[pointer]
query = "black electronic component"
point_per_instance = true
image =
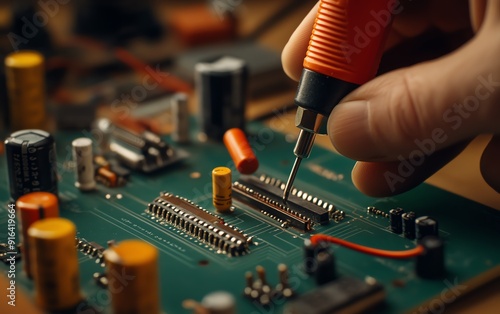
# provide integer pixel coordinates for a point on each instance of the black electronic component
(91, 249)
(145, 152)
(200, 224)
(344, 295)
(311, 252)
(430, 264)
(221, 88)
(31, 162)
(264, 64)
(265, 195)
(396, 220)
(409, 225)
(426, 226)
(337, 215)
(376, 211)
(272, 208)
(326, 269)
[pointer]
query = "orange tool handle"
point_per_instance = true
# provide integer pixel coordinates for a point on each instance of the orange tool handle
(348, 37)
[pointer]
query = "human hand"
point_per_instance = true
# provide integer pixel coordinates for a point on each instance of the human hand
(405, 125)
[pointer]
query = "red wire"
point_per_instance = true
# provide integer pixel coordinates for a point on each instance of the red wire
(315, 239)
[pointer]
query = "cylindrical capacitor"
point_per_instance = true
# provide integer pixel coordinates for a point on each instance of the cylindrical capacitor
(409, 225)
(30, 208)
(54, 264)
(396, 221)
(426, 226)
(84, 168)
(24, 71)
(430, 264)
(326, 269)
(221, 88)
(219, 302)
(138, 290)
(240, 151)
(180, 116)
(222, 188)
(31, 162)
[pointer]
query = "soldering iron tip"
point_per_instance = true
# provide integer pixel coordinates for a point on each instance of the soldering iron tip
(291, 178)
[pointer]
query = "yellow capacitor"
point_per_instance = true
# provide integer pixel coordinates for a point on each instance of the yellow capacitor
(133, 277)
(54, 264)
(222, 188)
(24, 71)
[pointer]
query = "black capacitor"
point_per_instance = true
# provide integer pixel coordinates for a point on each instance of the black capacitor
(426, 226)
(409, 225)
(326, 270)
(396, 220)
(221, 87)
(430, 264)
(310, 255)
(31, 162)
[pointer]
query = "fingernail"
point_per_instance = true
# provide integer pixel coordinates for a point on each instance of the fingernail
(349, 131)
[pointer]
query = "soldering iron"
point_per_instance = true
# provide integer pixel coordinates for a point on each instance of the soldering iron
(344, 51)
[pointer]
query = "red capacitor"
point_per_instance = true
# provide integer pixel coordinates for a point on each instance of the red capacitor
(242, 154)
(30, 208)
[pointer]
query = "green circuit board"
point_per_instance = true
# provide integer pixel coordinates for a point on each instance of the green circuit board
(189, 269)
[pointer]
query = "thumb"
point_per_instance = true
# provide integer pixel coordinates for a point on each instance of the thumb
(422, 108)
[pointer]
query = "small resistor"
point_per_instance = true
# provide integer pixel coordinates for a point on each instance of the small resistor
(24, 71)
(84, 170)
(240, 151)
(222, 188)
(55, 264)
(180, 116)
(30, 208)
(107, 177)
(138, 292)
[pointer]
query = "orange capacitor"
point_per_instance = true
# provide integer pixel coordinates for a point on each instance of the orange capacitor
(55, 264)
(25, 75)
(133, 277)
(30, 208)
(242, 154)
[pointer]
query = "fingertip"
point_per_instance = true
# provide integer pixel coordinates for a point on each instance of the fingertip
(381, 179)
(349, 132)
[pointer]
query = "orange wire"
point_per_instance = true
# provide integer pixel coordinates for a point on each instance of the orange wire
(315, 239)
(167, 81)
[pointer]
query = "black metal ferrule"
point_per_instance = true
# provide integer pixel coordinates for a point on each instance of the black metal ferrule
(321, 93)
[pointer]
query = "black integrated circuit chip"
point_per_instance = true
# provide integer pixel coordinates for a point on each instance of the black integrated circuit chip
(344, 295)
